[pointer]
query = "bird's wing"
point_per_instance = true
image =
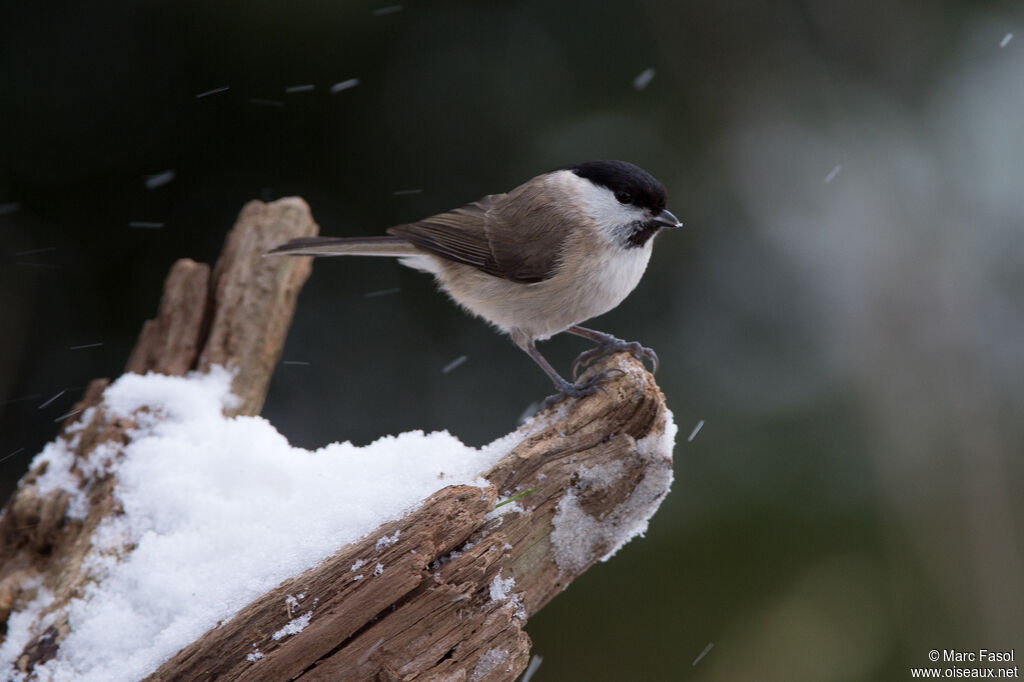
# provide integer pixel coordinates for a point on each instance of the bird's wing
(485, 236)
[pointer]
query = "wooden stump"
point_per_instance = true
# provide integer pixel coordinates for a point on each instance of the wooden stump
(463, 576)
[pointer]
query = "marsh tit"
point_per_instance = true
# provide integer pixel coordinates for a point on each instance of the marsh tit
(539, 260)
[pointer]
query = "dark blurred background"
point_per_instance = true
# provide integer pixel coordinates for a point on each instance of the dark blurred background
(844, 310)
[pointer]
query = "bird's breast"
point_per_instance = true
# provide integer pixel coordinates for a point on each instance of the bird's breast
(580, 291)
(603, 286)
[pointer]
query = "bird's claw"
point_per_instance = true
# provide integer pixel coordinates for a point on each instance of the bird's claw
(588, 387)
(638, 351)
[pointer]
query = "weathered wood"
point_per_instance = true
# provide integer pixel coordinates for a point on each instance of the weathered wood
(442, 594)
(170, 343)
(429, 614)
(39, 541)
(253, 298)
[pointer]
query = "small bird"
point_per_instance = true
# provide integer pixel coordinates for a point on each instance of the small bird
(556, 251)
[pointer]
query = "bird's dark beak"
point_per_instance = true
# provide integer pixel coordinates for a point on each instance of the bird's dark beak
(666, 219)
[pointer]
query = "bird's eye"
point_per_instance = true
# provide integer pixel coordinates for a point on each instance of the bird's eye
(624, 197)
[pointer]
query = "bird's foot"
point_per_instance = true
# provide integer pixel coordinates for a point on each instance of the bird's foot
(615, 345)
(570, 390)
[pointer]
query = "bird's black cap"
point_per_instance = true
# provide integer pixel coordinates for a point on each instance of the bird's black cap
(631, 184)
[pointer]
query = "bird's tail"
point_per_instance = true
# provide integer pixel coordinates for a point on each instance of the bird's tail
(346, 246)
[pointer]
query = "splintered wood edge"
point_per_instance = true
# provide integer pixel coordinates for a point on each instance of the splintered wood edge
(430, 594)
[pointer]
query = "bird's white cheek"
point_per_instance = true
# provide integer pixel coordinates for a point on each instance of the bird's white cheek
(600, 205)
(610, 217)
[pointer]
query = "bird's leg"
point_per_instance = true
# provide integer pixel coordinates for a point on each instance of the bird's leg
(564, 387)
(607, 344)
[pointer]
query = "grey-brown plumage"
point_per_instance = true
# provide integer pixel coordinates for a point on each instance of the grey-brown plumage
(346, 246)
(536, 261)
(516, 236)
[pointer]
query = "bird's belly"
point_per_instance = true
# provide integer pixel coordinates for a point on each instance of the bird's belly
(543, 309)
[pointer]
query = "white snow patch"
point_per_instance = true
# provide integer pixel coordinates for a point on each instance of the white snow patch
(600, 475)
(488, 663)
(387, 540)
(579, 538)
(294, 626)
(356, 566)
(292, 601)
(59, 475)
(211, 518)
(22, 625)
(498, 512)
(500, 589)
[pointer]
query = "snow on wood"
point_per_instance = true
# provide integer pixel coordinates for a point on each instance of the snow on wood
(170, 532)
